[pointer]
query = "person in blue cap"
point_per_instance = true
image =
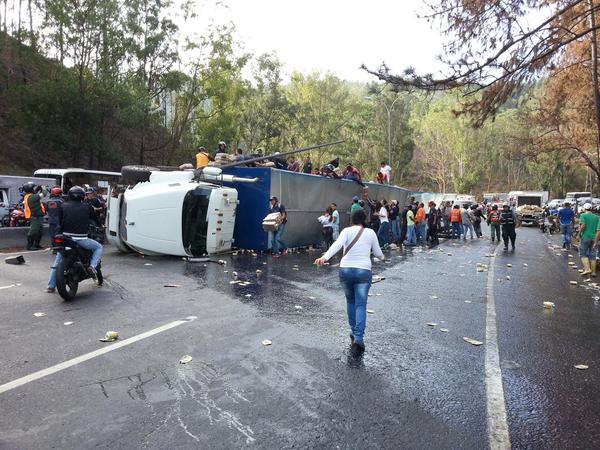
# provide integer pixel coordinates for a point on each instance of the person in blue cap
(355, 205)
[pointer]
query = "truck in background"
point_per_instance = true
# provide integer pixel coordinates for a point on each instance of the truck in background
(528, 205)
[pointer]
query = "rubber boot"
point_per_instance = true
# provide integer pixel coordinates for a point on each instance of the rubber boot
(593, 267)
(586, 266)
(36, 242)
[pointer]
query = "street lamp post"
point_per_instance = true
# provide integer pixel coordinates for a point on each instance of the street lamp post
(389, 110)
(389, 113)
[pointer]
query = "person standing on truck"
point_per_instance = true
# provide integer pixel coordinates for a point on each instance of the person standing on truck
(202, 158)
(54, 208)
(588, 224)
(509, 223)
(358, 242)
(34, 212)
(307, 167)
(277, 244)
(566, 217)
(494, 220)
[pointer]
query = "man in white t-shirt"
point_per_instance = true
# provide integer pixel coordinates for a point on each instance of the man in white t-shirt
(384, 224)
(386, 170)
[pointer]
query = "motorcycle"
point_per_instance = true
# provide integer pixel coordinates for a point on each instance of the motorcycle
(73, 268)
(15, 217)
(548, 223)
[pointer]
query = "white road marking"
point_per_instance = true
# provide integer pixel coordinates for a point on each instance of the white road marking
(10, 286)
(497, 424)
(83, 358)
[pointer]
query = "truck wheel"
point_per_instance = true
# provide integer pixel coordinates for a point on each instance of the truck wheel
(136, 174)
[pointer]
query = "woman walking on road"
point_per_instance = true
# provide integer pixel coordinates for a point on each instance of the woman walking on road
(355, 274)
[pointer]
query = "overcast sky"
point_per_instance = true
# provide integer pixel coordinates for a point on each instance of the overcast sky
(334, 35)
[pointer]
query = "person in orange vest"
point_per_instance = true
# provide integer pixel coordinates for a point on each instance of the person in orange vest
(34, 212)
(456, 221)
(420, 223)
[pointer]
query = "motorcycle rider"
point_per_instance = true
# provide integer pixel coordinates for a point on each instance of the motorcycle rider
(54, 208)
(494, 218)
(34, 212)
(75, 220)
(509, 223)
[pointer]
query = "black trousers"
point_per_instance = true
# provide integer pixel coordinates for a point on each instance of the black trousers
(433, 235)
(508, 232)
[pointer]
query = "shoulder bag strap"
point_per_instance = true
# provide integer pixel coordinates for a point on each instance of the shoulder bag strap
(354, 241)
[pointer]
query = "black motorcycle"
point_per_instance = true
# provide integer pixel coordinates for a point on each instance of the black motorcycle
(74, 266)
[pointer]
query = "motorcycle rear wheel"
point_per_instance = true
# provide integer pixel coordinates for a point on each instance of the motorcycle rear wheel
(67, 288)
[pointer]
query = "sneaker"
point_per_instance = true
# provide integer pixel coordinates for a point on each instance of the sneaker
(93, 274)
(50, 290)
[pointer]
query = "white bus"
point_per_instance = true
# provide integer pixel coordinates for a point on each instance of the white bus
(67, 178)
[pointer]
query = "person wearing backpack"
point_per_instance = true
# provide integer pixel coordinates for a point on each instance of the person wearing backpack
(358, 242)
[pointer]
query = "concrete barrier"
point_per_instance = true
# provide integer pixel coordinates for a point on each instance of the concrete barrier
(17, 237)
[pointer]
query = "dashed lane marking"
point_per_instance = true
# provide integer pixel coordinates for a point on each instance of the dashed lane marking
(83, 358)
(497, 424)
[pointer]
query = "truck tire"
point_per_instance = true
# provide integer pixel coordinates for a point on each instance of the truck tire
(136, 174)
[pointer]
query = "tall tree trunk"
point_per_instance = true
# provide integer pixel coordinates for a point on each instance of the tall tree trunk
(19, 22)
(32, 40)
(594, 51)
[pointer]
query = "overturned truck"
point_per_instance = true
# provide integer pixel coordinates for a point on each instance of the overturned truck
(208, 211)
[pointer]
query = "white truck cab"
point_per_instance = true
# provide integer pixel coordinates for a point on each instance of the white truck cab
(172, 213)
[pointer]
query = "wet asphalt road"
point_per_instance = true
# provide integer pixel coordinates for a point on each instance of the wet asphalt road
(415, 387)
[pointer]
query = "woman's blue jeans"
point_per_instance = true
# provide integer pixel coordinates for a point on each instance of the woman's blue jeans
(382, 233)
(356, 284)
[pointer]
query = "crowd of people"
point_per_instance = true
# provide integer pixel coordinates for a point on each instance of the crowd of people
(414, 224)
(291, 163)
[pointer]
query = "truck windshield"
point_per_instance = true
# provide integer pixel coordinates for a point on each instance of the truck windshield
(195, 225)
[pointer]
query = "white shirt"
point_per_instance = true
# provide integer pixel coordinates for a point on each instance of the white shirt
(386, 170)
(359, 256)
(324, 220)
(383, 215)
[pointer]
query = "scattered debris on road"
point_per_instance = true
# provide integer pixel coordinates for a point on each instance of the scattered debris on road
(147, 264)
(39, 314)
(574, 283)
(472, 341)
(110, 336)
(185, 359)
(15, 260)
(248, 295)
(68, 323)
(266, 342)
(508, 277)
(582, 367)
(298, 307)
(444, 330)
(509, 265)
(370, 311)
(548, 305)
(172, 285)
(431, 324)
